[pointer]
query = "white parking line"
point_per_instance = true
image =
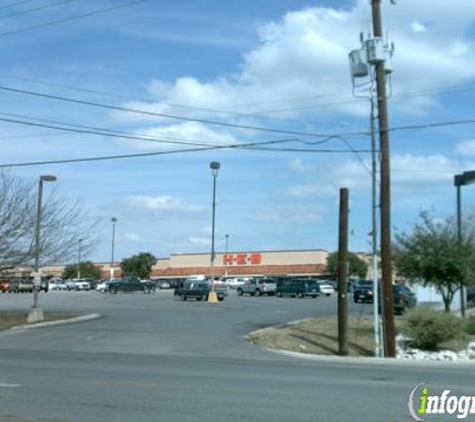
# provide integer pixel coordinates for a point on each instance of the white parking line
(2, 385)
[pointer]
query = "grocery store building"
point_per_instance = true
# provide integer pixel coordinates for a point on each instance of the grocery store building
(233, 264)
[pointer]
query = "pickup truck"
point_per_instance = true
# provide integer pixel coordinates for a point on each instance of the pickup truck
(199, 290)
(130, 284)
(257, 287)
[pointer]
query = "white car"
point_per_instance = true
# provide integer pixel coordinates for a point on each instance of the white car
(234, 283)
(102, 287)
(325, 288)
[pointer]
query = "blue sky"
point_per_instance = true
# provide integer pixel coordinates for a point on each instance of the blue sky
(280, 65)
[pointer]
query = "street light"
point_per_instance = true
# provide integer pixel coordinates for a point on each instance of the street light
(79, 258)
(214, 166)
(226, 255)
(466, 178)
(36, 313)
(114, 221)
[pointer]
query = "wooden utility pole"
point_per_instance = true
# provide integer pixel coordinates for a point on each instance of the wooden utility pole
(387, 299)
(343, 343)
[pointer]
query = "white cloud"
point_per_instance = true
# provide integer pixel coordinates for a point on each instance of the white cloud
(133, 237)
(162, 203)
(408, 172)
(179, 136)
(201, 241)
(302, 56)
(466, 148)
(418, 27)
(300, 166)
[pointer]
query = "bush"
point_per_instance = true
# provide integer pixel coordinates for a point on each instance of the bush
(470, 325)
(428, 328)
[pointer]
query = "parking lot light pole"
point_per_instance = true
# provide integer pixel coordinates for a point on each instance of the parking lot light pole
(114, 221)
(226, 259)
(460, 180)
(214, 166)
(79, 258)
(36, 313)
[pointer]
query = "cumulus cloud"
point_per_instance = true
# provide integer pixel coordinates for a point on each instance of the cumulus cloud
(408, 172)
(133, 237)
(466, 148)
(162, 203)
(301, 57)
(300, 166)
(200, 241)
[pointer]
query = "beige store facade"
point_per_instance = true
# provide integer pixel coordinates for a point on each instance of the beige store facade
(309, 262)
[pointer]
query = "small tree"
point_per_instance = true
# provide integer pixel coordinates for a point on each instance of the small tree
(358, 267)
(87, 270)
(139, 265)
(63, 223)
(433, 256)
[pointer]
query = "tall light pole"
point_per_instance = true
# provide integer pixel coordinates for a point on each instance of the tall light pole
(214, 166)
(226, 255)
(36, 313)
(79, 258)
(463, 179)
(114, 221)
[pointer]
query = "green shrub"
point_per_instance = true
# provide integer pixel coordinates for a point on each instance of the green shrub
(428, 328)
(470, 325)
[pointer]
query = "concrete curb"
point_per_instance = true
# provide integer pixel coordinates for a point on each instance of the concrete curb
(354, 360)
(82, 318)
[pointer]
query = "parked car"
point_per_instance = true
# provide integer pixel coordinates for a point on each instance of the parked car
(362, 291)
(22, 285)
(297, 287)
(403, 299)
(198, 290)
(81, 284)
(234, 283)
(326, 288)
(258, 287)
(471, 295)
(163, 284)
(5, 286)
(130, 284)
(103, 286)
(58, 286)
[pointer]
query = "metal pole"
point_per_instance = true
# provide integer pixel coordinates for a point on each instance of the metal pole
(226, 255)
(37, 241)
(79, 258)
(343, 338)
(459, 233)
(374, 235)
(114, 220)
(215, 173)
(386, 265)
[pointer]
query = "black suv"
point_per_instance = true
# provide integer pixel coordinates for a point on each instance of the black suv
(198, 290)
(362, 291)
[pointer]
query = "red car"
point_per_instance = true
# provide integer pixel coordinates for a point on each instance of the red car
(5, 286)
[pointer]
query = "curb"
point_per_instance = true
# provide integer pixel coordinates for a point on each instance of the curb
(355, 360)
(83, 318)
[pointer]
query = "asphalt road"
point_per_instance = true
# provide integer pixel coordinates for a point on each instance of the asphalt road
(153, 358)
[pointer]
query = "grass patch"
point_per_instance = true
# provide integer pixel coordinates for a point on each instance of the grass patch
(12, 319)
(319, 336)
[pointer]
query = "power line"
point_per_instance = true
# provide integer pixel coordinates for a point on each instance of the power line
(174, 117)
(71, 18)
(156, 153)
(35, 9)
(15, 4)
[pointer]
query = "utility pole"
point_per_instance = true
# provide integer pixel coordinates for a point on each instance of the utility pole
(374, 235)
(387, 299)
(343, 343)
